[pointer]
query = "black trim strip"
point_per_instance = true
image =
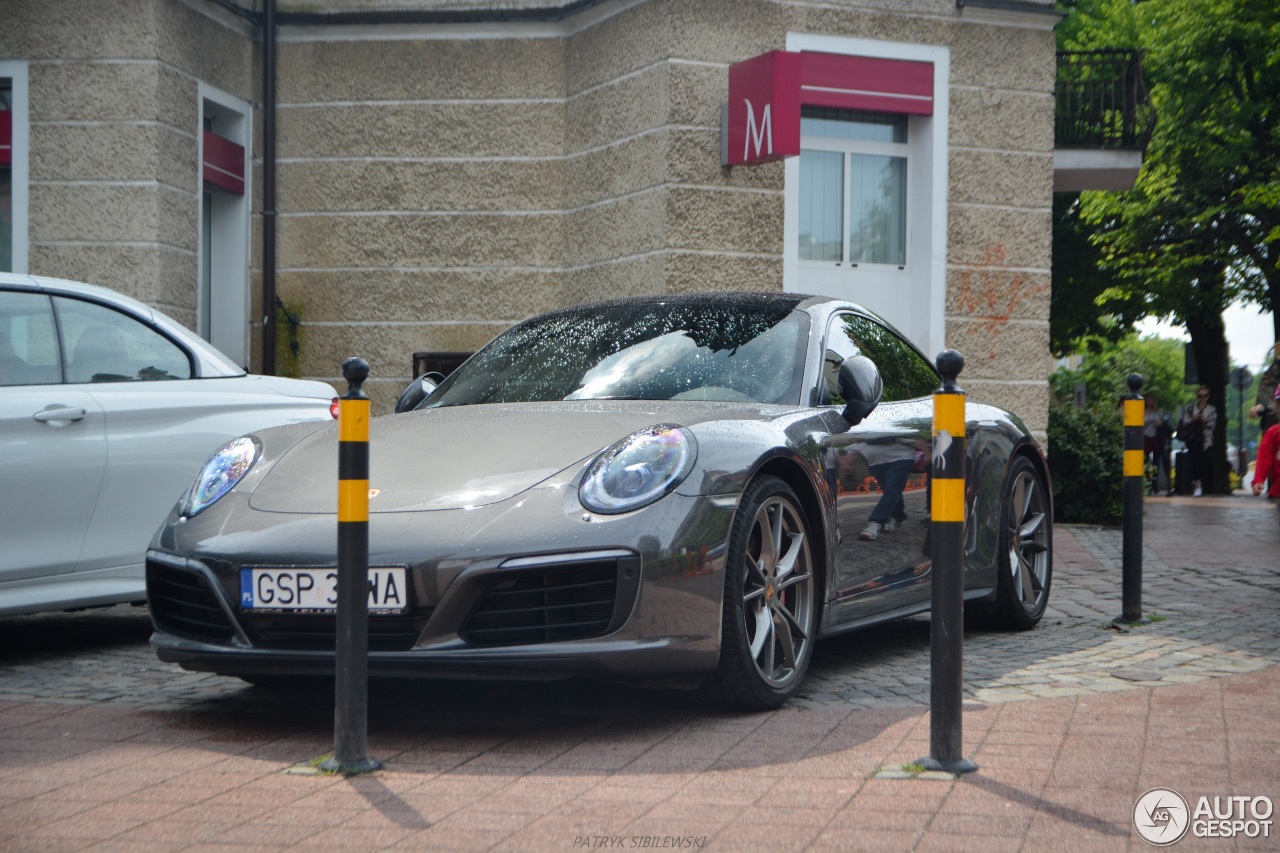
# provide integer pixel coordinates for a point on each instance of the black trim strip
(417, 16)
(353, 460)
(1012, 6)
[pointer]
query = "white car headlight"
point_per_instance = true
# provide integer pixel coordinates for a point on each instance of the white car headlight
(638, 470)
(223, 470)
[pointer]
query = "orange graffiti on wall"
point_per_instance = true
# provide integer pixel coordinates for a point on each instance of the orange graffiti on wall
(990, 294)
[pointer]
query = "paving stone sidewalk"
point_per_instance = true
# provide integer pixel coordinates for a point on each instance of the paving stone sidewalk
(104, 748)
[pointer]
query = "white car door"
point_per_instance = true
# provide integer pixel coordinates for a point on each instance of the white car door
(56, 450)
(158, 427)
(161, 424)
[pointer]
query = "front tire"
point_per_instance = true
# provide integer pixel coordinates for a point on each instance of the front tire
(1026, 548)
(770, 613)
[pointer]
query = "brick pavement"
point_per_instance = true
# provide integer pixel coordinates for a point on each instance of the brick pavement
(105, 748)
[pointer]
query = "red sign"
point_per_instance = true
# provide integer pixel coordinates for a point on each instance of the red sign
(6, 137)
(223, 163)
(764, 108)
(767, 91)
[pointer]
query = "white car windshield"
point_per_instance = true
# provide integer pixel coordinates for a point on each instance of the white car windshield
(678, 350)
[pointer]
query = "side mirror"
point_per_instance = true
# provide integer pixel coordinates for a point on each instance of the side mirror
(860, 386)
(418, 390)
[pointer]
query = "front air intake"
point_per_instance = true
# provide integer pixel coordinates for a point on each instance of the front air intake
(550, 604)
(183, 604)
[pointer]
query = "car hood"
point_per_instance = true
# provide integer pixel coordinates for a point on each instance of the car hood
(469, 456)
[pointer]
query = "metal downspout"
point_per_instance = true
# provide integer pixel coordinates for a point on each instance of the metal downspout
(268, 19)
(269, 188)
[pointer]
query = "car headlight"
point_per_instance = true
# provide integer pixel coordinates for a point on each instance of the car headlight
(223, 470)
(638, 470)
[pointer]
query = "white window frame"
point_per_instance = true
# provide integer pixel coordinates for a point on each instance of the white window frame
(16, 72)
(847, 148)
(913, 297)
(227, 327)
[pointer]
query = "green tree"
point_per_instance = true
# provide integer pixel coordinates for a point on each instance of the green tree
(1086, 442)
(1107, 365)
(1201, 229)
(1080, 282)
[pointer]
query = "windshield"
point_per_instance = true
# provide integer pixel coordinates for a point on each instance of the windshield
(659, 351)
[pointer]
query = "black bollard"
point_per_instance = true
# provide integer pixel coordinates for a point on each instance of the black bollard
(1134, 464)
(351, 659)
(946, 629)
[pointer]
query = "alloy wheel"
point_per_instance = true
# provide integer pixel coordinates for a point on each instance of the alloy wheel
(778, 592)
(1027, 538)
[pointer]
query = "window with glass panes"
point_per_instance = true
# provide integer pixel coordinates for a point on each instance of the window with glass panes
(853, 187)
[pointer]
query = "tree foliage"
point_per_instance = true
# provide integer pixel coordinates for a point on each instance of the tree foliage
(1201, 229)
(1080, 280)
(1107, 365)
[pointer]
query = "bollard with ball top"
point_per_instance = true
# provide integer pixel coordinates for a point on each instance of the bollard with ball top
(351, 655)
(1134, 465)
(946, 619)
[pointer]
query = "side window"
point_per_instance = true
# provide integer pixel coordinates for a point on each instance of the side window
(839, 348)
(28, 340)
(102, 345)
(905, 373)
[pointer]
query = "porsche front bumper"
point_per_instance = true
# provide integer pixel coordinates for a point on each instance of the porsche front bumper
(528, 588)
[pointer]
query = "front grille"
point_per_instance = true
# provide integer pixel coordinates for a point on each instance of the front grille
(184, 604)
(316, 631)
(572, 602)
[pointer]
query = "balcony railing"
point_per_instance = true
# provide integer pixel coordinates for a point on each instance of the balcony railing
(1102, 101)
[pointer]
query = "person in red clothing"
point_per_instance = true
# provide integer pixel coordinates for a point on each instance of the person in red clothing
(1268, 464)
(1268, 467)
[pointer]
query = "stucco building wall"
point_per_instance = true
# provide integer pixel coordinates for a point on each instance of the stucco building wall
(438, 181)
(113, 122)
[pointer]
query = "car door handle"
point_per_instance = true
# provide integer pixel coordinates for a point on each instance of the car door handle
(45, 416)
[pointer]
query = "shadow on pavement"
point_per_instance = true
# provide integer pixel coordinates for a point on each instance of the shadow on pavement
(49, 637)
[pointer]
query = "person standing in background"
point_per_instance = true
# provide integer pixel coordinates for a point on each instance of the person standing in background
(1156, 431)
(1266, 407)
(1196, 430)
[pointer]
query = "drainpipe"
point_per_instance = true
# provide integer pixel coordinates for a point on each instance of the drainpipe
(427, 16)
(269, 188)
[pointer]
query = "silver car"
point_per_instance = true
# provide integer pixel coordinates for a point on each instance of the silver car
(682, 490)
(107, 409)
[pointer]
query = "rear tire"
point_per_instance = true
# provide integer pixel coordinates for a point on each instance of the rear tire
(1025, 563)
(770, 612)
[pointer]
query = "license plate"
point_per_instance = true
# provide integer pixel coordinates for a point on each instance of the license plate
(317, 589)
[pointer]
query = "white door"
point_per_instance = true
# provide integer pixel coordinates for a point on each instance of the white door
(54, 437)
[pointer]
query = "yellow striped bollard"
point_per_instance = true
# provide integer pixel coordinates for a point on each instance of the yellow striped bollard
(946, 628)
(351, 653)
(1134, 463)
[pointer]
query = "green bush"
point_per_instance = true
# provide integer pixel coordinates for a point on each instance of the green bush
(1086, 452)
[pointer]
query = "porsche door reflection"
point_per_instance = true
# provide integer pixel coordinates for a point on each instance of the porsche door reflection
(881, 472)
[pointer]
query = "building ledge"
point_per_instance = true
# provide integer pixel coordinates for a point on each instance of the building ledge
(1076, 169)
(1020, 13)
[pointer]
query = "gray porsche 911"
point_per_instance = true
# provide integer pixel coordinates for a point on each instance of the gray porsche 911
(678, 489)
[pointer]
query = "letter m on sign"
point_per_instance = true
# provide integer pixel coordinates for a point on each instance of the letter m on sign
(763, 116)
